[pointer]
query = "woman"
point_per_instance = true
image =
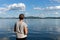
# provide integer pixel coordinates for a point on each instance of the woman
(21, 28)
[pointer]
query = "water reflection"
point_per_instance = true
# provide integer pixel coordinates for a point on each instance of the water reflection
(4, 38)
(39, 29)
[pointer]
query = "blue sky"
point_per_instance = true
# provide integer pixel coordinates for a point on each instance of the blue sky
(41, 8)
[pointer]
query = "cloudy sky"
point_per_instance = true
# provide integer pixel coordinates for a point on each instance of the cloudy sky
(41, 8)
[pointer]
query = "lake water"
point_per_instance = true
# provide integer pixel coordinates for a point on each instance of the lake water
(39, 29)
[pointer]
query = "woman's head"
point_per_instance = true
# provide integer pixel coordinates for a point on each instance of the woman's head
(21, 16)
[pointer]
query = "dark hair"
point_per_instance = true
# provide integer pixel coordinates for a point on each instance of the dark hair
(21, 16)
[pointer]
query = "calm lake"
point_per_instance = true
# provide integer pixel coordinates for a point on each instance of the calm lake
(39, 29)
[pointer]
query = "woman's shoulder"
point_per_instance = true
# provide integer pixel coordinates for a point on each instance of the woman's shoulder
(24, 23)
(17, 22)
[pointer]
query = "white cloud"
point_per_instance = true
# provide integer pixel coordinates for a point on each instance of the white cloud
(48, 8)
(15, 6)
(38, 8)
(55, 1)
(19, 6)
(56, 13)
(53, 7)
(27, 14)
(3, 10)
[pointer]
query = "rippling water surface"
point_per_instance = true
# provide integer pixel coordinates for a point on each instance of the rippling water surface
(39, 29)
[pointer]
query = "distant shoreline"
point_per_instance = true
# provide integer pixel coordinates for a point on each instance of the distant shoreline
(31, 18)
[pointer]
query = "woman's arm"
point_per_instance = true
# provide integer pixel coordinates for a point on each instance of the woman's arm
(15, 28)
(25, 30)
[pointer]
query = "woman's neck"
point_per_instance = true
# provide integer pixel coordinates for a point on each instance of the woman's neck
(21, 20)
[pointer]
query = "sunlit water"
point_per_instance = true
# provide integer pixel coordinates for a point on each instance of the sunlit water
(39, 29)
